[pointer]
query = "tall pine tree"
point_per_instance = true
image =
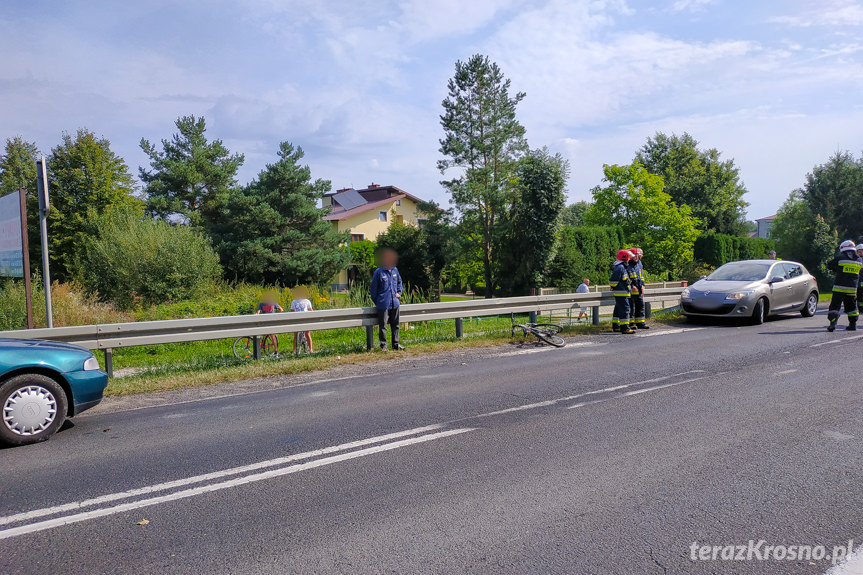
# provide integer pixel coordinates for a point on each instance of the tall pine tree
(190, 176)
(483, 140)
(272, 231)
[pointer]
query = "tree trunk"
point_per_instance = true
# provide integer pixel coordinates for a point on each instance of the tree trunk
(486, 262)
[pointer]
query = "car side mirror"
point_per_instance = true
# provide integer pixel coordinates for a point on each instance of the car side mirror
(777, 279)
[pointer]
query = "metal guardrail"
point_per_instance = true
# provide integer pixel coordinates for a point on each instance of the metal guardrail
(108, 337)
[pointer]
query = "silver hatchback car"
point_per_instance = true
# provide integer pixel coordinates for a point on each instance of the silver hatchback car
(752, 289)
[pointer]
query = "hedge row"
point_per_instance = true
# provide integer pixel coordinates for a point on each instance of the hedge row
(584, 252)
(716, 249)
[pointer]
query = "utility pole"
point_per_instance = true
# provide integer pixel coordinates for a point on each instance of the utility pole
(44, 206)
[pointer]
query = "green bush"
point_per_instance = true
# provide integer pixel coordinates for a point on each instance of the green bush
(584, 252)
(716, 249)
(137, 261)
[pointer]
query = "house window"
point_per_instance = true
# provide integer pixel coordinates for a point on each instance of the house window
(382, 216)
(398, 202)
(358, 237)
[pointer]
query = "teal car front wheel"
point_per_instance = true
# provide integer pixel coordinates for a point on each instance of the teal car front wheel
(33, 407)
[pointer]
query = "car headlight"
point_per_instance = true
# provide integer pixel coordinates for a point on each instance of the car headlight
(91, 364)
(685, 293)
(738, 295)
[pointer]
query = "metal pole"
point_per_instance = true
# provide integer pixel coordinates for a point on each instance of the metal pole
(459, 328)
(595, 314)
(370, 337)
(109, 362)
(256, 344)
(25, 252)
(44, 206)
(531, 317)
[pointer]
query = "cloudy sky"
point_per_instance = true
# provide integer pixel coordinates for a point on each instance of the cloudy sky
(774, 84)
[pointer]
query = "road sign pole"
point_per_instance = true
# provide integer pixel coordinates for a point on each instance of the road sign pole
(25, 253)
(44, 206)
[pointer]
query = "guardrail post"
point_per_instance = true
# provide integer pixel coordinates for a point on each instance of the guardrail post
(109, 362)
(459, 328)
(595, 314)
(370, 337)
(532, 317)
(647, 310)
(256, 346)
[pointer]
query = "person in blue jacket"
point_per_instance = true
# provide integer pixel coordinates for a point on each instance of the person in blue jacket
(386, 290)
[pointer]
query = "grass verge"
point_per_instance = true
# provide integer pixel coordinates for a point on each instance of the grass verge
(177, 366)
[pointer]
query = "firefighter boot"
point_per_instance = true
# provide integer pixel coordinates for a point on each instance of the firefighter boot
(852, 324)
(624, 328)
(833, 317)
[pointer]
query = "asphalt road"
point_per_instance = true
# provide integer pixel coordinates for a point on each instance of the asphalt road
(616, 454)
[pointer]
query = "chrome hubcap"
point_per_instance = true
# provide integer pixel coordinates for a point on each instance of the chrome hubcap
(813, 304)
(29, 410)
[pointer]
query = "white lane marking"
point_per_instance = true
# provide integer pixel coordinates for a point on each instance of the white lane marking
(636, 392)
(550, 402)
(213, 475)
(835, 341)
(244, 480)
(668, 332)
(786, 372)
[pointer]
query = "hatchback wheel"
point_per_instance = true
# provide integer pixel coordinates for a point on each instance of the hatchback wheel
(811, 305)
(759, 312)
(33, 409)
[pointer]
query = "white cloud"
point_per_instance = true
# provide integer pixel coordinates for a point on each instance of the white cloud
(691, 5)
(832, 13)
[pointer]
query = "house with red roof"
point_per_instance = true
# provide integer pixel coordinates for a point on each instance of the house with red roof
(367, 213)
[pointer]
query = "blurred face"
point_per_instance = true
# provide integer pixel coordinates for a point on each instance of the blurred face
(587, 282)
(388, 258)
(860, 253)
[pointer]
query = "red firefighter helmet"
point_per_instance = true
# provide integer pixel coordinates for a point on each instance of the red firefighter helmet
(637, 251)
(624, 255)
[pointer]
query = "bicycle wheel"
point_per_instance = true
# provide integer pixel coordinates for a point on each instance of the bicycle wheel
(270, 346)
(243, 347)
(549, 338)
(549, 328)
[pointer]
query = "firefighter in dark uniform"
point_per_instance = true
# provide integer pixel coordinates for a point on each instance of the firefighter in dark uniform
(636, 302)
(860, 284)
(621, 286)
(847, 267)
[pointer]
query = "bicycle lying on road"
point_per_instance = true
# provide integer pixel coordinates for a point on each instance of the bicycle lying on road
(546, 332)
(244, 347)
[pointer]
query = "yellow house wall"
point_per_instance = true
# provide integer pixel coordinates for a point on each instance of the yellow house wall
(368, 223)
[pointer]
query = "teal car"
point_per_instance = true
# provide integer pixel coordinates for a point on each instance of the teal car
(41, 384)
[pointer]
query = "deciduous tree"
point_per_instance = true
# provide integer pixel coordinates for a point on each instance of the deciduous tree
(700, 179)
(86, 178)
(633, 199)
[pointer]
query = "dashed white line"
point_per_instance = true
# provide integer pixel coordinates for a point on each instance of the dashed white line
(835, 341)
(551, 402)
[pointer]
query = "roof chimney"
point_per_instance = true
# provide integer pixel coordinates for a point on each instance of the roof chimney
(373, 186)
